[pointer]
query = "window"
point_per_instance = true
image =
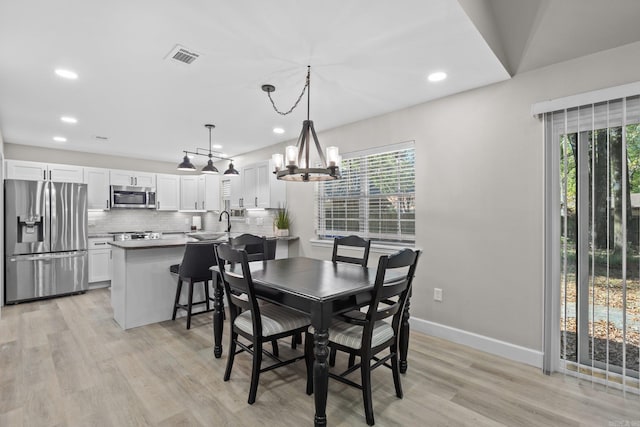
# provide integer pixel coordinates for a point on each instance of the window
(375, 198)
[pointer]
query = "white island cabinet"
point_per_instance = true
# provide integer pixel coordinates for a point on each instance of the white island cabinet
(142, 288)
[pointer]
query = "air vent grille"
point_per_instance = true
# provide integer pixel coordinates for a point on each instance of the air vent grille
(182, 54)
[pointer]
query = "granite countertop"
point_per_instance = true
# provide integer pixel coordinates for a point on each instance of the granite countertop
(152, 243)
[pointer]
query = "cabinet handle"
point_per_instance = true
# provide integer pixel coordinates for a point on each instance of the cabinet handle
(49, 175)
(100, 243)
(203, 205)
(44, 175)
(136, 178)
(256, 202)
(158, 205)
(195, 204)
(107, 204)
(130, 180)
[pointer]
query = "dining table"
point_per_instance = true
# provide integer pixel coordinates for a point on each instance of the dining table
(319, 288)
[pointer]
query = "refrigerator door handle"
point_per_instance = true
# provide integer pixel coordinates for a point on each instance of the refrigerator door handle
(46, 257)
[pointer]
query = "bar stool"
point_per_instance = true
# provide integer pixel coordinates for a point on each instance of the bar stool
(194, 268)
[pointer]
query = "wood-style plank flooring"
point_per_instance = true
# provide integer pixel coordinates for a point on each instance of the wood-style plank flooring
(65, 362)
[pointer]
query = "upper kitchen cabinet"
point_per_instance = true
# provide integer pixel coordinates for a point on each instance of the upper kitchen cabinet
(97, 180)
(36, 171)
(132, 178)
(199, 192)
(260, 188)
(167, 192)
(232, 190)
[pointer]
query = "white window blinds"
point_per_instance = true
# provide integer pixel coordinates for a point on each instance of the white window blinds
(375, 198)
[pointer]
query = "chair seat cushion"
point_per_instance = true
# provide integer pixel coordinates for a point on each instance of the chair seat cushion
(350, 335)
(275, 320)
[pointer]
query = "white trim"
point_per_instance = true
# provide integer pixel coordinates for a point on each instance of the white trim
(585, 98)
(375, 247)
(479, 342)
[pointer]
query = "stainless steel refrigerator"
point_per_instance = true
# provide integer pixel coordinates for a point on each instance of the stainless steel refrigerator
(45, 239)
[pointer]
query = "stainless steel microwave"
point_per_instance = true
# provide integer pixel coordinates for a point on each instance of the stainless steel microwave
(133, 197)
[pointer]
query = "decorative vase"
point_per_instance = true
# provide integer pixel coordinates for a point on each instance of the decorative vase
(282, 232)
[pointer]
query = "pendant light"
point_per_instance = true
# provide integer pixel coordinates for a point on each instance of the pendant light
(295, 164)
(209, 168)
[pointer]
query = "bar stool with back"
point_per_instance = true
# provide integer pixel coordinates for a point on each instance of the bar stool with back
(194, 268)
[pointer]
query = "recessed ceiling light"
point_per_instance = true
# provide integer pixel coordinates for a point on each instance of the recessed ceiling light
(59, 139)
(216, 146)
(437, 76)
(66, 74)
(68, 119)
(278, 130)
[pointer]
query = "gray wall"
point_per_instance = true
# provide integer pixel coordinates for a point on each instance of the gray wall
(480, 197)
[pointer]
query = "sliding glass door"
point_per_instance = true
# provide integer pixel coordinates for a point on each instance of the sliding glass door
(599, 156)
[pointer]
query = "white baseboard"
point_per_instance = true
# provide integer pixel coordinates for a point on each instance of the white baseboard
(479, 342)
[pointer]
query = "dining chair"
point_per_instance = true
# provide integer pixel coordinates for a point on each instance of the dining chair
(257, 323)
(367, 334)
(353, 242)
(194, 268)
(258, 248)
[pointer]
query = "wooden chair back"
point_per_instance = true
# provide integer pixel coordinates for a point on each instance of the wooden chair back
(351, 241)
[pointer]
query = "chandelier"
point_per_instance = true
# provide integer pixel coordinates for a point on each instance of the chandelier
(186, 164)
(294, 165)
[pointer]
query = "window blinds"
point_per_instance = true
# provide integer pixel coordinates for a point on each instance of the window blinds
(596, 197)
(375, 198)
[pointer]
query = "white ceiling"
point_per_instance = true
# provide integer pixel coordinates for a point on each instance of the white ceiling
(368, 57)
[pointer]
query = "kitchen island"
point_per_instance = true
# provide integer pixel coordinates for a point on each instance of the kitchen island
(142, 288)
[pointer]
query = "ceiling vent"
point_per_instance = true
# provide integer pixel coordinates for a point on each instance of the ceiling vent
(182, 54)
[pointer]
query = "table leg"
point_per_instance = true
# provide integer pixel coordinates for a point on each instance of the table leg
(321, 375)
(404, 337)
(218, 316)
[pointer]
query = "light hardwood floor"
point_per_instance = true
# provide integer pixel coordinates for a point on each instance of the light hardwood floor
(65, 362)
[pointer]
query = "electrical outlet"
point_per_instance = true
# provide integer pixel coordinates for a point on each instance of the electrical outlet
(437, 294)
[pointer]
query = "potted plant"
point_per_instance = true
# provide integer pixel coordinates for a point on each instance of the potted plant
(282, 222)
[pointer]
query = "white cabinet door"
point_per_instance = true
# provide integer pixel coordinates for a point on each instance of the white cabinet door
(99, 260)
(236, 196)
(201, 192)
(31, 171)
(97, 180)
(65, 173)
(142, 179)
(263, 197)
(189, 192)
(167, 192)
(212, 193)
(277, 189)
(36, 171)
(119, 177)
(249, 180)
(132, 178)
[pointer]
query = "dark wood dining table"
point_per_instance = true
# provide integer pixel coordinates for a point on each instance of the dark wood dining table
(320, 289)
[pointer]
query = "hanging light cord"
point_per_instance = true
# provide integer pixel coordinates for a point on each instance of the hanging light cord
(272, 88)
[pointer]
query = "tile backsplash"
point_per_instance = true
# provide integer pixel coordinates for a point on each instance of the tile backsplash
(256, 222)
(139, 220)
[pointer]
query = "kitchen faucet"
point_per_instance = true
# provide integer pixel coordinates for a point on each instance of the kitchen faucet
(228, 220)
